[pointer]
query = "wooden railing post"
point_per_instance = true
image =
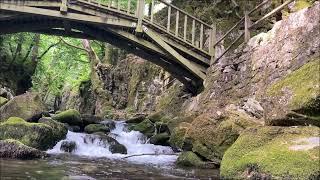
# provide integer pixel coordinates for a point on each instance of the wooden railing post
(169, 19)
(247, 24)
(64, 6)
(212, 42)
(140, 14)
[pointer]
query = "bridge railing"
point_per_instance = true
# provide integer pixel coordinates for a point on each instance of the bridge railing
(180, 24)
(248, 25)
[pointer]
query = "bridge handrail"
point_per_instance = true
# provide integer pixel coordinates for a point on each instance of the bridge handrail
(248, 25)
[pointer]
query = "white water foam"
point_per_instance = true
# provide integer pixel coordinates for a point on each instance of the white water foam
(134, 141)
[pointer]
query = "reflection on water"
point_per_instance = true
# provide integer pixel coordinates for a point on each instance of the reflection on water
(83, 168)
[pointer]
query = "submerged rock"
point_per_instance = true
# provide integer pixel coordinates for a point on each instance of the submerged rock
(190, 159)
(160, 139)
(68, 146)
(27, 106)
(118, 148)
(275, 152)
(71, 117)
(10, 148)
(92, 128)
(37, 135)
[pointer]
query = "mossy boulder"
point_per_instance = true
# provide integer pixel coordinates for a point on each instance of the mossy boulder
(28, 106)
(90, 119)
(296, 97)
(155, 117)
(10, 148)
(59, 129)
(146, 127)
(189, 159)
(92, 128)
(274, 152)
(178, 137)
(114, 145)
(71, 117)
(3, 101)
(160, 139)
(37, 135)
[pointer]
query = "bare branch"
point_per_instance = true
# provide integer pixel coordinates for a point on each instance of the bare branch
(71, 45)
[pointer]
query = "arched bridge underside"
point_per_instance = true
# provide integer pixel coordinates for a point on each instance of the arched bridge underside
(181, 47)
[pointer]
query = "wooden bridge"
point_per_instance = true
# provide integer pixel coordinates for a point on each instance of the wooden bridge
(177, 41)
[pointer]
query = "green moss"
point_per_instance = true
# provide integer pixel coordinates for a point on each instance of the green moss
(303, 83)
(301, 4)
(92, 128)
(71, 117)
(267, 148)
(146, 127)
(3, 101)
(36, 135)
(177, 137)
(189, 159)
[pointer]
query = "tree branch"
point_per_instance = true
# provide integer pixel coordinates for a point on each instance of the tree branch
(48, 49)
(71, 45)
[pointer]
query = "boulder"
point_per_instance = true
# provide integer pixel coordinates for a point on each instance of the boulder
(73, 128)
(10, 148)
(274, 152)
(160, 139)
(110, 123)
(59, 129)
(90, 119)
(162, 127)
(68, 146)
(178, 137)
(71, 117)
(189, 159)
(118, 149)
(3, 101)
(136, 119)
(28, 106)
(37, 135)
(92, 128)
(146, 127)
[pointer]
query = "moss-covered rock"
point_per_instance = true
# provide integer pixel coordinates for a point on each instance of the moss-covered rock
(92, 128)
(28, 106)
(160, 139)
(59, 129)
(275, 152)
(189, 159)
(90, 119)
(3, 101)
(114, 145)
(71, 117)
(178, 137)
(37, 135)
(296, 97)
(10, 148)
(146, 127)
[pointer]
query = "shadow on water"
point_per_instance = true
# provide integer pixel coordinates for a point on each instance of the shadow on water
(84, 168)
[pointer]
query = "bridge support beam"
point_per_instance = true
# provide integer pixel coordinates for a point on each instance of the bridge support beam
(183, 61)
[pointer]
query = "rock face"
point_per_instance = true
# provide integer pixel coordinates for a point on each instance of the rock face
(14, 149)
(27, 106)
(71, 117)
(274, 153)
(37, 135)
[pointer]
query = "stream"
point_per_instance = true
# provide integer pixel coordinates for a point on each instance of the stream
(93, 160)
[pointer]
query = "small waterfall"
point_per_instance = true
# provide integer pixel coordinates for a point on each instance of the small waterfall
(135, 142)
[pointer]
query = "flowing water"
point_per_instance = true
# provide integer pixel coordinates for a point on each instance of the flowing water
(93, 160)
